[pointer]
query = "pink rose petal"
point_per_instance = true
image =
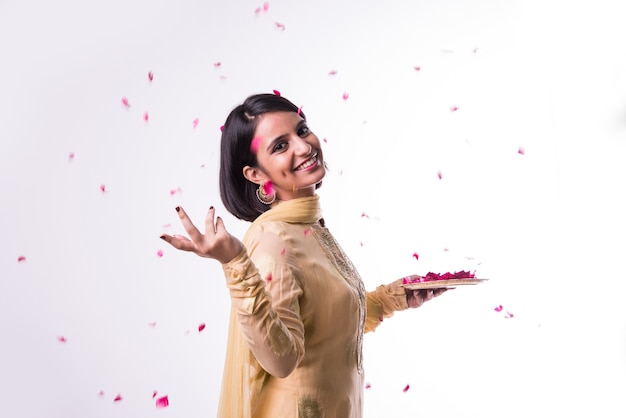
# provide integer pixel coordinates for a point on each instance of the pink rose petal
(152, 324)
(345, 96)
(498, 308)
(368, 386)
(154, 393)
(307, 231)
(217, 64)
(254, 144)
(70, 156)
(61, 339)
(454, 108)
(508, 315)
(364, 215)
(300, 110)
(268, 188)
(268, 279)
(201, 327)
(325, 140)
(150, 76)
(162, 402)
(406, 388)
(276, 92)
(125, 102)
(118, 398)
(195, 123)
(160, 253)
(266, 6)
(417, 68)
(146, 117)
(222, 128)
(101, 394)
(21, 259)
(279, 25)
(103, 188)
(439, 174)
(332, 72)
(283, 251)
(416, 256)
(521, 151)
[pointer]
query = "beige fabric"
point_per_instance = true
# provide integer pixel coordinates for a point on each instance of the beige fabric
(298, 315)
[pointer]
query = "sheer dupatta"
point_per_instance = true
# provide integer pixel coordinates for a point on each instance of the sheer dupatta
(243, 377)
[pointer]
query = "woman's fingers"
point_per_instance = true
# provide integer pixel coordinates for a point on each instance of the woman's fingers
(179, 242)
(192, 231)
(209, 222)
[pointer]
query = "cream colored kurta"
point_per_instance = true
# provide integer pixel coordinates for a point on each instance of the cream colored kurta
(299, 314)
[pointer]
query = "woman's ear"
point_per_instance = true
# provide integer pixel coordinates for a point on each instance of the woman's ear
(254, 174)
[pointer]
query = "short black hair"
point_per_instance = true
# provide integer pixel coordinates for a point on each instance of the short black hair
(238, 193)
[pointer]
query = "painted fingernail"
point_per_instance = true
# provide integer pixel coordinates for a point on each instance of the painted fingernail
(211, 208)
(177, 208)
(162, 237)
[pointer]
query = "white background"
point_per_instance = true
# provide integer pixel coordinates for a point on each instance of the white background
(546, 227)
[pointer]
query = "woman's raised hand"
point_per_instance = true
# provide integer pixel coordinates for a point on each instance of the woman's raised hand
(215, 243)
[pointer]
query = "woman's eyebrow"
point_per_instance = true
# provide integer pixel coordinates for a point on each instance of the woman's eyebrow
(284, 136)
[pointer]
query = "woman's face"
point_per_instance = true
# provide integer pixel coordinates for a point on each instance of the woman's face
(288, 154)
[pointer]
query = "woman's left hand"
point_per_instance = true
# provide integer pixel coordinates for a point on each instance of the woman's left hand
(416, 298)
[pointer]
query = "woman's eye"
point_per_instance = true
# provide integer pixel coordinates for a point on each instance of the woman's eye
(280, 146)
(303, 131)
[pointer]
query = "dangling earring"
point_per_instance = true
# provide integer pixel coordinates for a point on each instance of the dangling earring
(263, 192)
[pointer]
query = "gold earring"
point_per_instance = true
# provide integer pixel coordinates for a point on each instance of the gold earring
(262, 196)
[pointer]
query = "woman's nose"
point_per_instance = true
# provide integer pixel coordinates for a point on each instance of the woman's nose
(303, 147)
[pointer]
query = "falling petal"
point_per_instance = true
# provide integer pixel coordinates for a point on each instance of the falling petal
(118, 398)
(361, 243)
(166, 226)
(146, 117)
(417, 68)
(160, 253)
(475, 50)
(283, 251)
(439, 174)
(150, 76)
(508, 315)
(201, 327)
(217, 64)
(103, 188)
(332, 72)
(222, 128)
(254, 144)
(454, 108)
(70, 156)
(162, 402)
(276, 92)
(368, 386)
(152, 324)
(268, 188)
(300, 110)
(521, 151)
(266, 6)
(175, 191)
(61, 339)
(279, 25)
(416, 256)
(406, 388)
(498, 308)
(21, 259)
(125, 102)
(268, 279)
(325, 140)
(195, 123)
(365, 215)
(345, 96)
(101, 394)
(257, 10)
(154, 393)
(307, 231)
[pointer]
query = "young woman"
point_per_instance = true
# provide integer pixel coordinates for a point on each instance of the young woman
(299, 307)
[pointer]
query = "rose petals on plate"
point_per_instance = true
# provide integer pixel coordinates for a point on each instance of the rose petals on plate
(406, 388)
(160, 253)
(118, 398)
(195, 123)
(125, 102)
(201, 327)
(498, 308)
(150, 76)
(162, 402)
(21, 259)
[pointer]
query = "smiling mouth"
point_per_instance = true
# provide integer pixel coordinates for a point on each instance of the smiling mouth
(308, 163)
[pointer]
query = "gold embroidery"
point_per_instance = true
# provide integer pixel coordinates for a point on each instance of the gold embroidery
(345, 267)
(279, 340)
(309, 408)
